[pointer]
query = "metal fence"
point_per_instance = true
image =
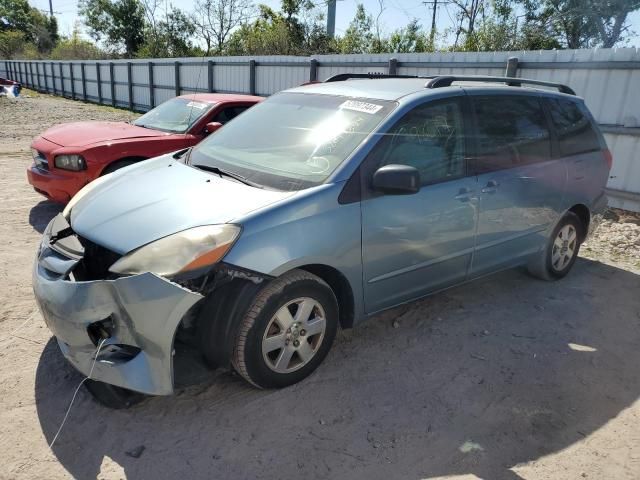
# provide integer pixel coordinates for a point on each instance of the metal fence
(608, 79)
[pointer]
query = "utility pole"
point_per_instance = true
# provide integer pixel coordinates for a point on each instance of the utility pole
(331, 18)
(432, 35)
(50, 8)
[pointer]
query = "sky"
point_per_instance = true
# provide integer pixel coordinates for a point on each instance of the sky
(396, 14)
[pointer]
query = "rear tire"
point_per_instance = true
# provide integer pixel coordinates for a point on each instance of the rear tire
(287, 331)
(112, 396)
(561, 250)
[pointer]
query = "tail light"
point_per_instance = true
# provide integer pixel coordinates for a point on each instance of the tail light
(608, 158)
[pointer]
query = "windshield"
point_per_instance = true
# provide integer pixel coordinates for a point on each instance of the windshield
(292, 140)
(175, 115)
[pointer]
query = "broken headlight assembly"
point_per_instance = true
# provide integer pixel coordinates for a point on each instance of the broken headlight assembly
(182, 252)
(70, 162)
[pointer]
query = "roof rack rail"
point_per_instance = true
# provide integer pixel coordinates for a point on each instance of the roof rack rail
(447, 80)
(340, 77)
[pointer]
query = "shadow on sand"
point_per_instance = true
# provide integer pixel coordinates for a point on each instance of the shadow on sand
(495, 365)
(41, 214)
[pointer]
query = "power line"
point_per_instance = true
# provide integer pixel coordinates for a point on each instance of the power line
(432, 35)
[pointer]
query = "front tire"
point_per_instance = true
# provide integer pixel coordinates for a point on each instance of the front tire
(112, 167)
(561, 251)
(287, 331)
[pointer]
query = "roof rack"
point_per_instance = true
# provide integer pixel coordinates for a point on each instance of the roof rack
(371, 76)
(447, 80)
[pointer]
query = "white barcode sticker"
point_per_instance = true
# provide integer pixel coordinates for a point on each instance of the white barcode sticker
(364, 107)
(197, 105)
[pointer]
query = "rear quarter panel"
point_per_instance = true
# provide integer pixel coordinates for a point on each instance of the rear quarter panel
(588, 174)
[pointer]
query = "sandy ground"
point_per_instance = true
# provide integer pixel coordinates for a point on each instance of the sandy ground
(504, 378)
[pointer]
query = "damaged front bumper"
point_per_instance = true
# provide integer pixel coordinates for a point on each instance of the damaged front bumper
(138, 315)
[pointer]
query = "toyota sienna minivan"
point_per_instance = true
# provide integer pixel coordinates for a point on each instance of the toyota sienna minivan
(314, 210)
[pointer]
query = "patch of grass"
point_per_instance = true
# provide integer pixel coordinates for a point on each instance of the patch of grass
(28, 92)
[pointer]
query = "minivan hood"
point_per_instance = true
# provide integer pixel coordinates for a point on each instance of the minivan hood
(80, 134)
(158, 197)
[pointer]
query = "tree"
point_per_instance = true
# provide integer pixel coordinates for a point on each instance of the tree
(75, 48)
(35, 27)
(581, 23)
(11, 43)
(410, 39)
(171, 37)
(297, 30)
(118, 23)
(267, 35)
(468, 12)
(358, 37)
(216, 19)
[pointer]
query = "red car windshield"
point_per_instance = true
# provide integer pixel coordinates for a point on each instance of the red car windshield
(175, 115)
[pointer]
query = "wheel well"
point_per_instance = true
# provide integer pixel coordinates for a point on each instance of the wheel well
(109, 166)
(340, 286)
(582, 212)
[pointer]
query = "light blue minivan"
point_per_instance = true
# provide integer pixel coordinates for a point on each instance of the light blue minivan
(314, 210)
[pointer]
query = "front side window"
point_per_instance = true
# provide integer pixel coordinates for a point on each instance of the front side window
(430, 138)
(176, 115)
(292, 141)
(511, 131)
(228, 114)
(573, 127)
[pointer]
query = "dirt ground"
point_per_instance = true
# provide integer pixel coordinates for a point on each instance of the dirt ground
(504, 378)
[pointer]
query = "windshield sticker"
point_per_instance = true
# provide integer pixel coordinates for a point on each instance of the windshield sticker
(364, 107)
(197, 105)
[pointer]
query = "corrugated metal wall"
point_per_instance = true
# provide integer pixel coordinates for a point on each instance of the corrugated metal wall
(608, 79)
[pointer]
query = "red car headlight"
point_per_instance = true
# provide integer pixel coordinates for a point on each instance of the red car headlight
(70, 162)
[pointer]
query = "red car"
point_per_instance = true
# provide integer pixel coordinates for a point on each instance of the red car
(68, 156)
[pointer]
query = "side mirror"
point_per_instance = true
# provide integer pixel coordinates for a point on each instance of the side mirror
(212, 127)
(396, 180)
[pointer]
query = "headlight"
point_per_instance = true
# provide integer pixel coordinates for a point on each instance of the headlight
(181, 252)
(81, 193)
(70, 162)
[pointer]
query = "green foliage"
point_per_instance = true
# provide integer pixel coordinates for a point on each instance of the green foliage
(282, 33)
(15, 15)
(142, 28)
(580, 23)
(118, 23)
(170, 38)
(11, 43)
(410, 39)
(359, 36)
(37, 29)
(75, 48)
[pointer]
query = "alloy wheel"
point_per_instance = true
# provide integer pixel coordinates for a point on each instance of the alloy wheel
(564, 247)
(294, 335)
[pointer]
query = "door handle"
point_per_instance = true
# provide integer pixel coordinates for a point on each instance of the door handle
(464, 194)
(490, 187)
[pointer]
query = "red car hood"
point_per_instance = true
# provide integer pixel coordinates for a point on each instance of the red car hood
(86, 133)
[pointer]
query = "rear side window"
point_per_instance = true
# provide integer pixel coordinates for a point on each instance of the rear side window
(511, 131)
(574, 129)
